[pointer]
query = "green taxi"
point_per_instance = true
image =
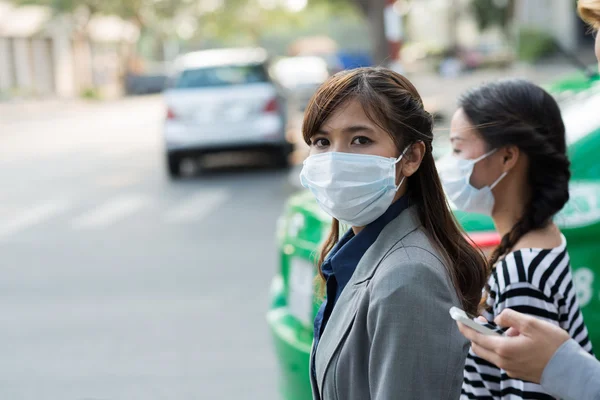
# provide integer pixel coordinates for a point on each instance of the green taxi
(303, 226)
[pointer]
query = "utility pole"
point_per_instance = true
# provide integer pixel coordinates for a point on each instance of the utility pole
(394, 34)
(453, 18)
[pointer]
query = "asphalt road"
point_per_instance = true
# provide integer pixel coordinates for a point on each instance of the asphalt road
(118, 284)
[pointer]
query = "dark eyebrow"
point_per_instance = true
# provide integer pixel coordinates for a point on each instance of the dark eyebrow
(349, 130)
(358, 128)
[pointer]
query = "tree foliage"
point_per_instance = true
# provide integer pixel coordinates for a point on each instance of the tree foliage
(493, 12)
(233, 22)
(222, 17)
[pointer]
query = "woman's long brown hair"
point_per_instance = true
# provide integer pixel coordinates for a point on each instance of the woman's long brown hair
(393, 103)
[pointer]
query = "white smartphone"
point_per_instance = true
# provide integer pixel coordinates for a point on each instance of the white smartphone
(459, 315)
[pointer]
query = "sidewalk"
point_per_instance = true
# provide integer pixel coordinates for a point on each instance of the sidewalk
(442, 93)
(15, 111)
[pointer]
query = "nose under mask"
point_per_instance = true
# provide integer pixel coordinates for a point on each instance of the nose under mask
(455, 174)
(356, 189)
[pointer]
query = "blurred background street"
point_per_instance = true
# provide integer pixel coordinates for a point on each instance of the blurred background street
(118, 284)
(143, 177)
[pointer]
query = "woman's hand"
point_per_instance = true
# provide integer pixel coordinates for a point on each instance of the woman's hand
(526, 348)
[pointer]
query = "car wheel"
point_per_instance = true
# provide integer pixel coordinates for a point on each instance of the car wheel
(173, 166)
(282, 158)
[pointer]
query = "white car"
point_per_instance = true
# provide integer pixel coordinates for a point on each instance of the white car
(301, 77)
(223, 100)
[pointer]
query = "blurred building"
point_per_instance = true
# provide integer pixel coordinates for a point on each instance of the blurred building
(556, 17)
(44, 54)
(446, 23)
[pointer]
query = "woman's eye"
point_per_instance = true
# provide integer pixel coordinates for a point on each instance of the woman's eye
(361, 140)
(320, 142)
(456, 151)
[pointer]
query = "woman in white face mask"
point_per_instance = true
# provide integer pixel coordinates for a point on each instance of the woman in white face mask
(383, 331)
(509, 161)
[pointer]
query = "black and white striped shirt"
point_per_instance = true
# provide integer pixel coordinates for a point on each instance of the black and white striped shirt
(537, 282)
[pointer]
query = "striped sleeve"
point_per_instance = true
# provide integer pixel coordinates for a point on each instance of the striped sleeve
(527, 299)
(534, 282)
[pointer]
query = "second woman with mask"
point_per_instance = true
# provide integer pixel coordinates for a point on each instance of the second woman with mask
(509, 162)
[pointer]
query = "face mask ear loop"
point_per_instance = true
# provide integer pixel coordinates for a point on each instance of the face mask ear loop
(486, 155)
(403, 154)
(493, 185)
(397, 161)
(401, 182)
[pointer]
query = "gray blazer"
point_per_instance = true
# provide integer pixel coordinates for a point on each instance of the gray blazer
(390, 335)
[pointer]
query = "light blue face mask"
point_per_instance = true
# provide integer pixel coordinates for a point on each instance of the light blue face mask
(455, 174)
(355, 189)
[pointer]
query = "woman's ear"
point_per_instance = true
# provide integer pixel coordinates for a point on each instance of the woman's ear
(510, 157)
(413, 158)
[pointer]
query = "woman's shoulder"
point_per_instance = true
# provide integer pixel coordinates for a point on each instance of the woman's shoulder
(413, 257)
(413, 274)
(416, 247)
(547, 238)
(531, 265)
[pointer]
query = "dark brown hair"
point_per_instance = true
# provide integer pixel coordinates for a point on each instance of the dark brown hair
(515, 112)
(392, 103)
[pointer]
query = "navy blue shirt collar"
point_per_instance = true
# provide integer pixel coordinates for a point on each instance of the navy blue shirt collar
(346, 254)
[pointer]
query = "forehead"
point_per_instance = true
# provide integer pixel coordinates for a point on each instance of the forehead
(461, 129)
(350, 112)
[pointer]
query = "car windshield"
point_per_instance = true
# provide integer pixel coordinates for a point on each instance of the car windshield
(224, 75)
(295, 71)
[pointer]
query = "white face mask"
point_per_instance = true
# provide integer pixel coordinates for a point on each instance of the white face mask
(355, 189)
(455, 174)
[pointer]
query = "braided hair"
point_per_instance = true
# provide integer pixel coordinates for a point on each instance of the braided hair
(516, 112)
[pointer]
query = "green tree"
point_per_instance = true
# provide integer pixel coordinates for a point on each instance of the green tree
(494, 13)
(236, 21)
(243, 20)
(373, 11)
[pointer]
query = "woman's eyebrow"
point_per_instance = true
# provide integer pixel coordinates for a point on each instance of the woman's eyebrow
(357, 128)
(348, 130)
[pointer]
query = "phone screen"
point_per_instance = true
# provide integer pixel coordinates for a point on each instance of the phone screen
(489, 325)
(474, 323)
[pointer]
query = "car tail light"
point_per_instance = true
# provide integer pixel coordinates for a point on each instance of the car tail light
(271, 106)
(486, 241)
(170, 114)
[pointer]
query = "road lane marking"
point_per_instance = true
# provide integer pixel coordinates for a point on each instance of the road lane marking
(31, 217)
(119, 180)
(111, 211)
(197, 206)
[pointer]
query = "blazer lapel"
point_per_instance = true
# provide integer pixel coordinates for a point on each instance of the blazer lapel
(343, 314)
(313, 383)
(337, 326)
